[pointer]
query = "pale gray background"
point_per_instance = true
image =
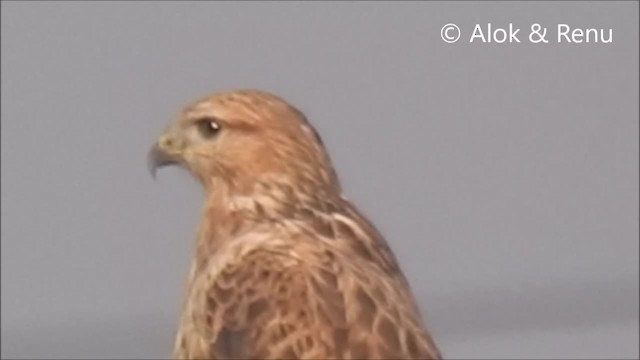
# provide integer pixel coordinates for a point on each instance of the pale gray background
(504, 176)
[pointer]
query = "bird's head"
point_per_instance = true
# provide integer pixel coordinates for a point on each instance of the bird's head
(245, 139)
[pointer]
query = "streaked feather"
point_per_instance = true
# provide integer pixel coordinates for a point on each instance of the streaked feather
(285, 267)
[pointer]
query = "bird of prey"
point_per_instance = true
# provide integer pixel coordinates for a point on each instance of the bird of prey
(284, 267)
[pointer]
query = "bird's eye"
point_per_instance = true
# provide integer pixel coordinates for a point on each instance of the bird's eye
(208, 127)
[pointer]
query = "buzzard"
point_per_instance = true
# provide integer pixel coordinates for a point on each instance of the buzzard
(285, 267)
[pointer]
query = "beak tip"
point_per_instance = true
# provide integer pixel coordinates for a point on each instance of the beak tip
(152, 172)
(158, 158)
(154, 159)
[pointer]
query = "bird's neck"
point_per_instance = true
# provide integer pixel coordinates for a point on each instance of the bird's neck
(230, 210)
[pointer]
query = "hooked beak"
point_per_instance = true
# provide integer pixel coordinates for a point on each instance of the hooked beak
(162, 153)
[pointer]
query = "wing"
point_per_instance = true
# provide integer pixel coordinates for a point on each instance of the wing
(275, 305)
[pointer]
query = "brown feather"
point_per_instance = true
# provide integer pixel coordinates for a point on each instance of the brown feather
(284, 267)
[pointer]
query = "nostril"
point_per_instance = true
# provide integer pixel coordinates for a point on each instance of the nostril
(166, 142)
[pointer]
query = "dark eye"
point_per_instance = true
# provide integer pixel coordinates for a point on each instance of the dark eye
(208, 127)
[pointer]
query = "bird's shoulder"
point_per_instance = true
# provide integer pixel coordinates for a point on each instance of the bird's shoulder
(293, 293)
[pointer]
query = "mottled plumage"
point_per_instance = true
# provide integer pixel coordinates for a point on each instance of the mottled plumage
(284, 265)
